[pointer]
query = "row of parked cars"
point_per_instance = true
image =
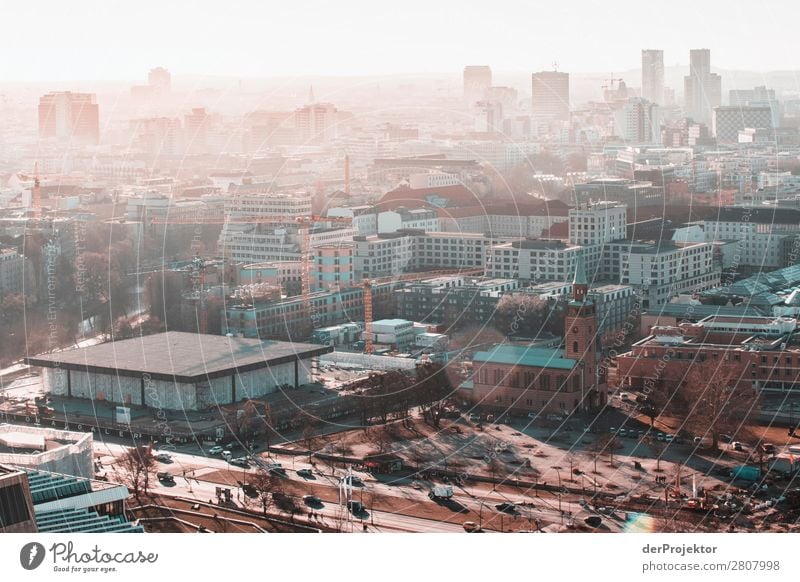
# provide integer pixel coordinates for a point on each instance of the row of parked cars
(634, 434)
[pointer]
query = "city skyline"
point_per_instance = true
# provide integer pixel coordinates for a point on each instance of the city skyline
(548, 36)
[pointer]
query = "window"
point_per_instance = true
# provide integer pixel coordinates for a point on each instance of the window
(544, 382)
(575, 347)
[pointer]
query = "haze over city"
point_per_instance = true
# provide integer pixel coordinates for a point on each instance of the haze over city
(266, 39)
(442, 267)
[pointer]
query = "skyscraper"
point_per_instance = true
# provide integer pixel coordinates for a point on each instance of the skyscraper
(550, 94)
(72, 116)
(702, 88)
(477, 79)
(160, 80)
(653, 75)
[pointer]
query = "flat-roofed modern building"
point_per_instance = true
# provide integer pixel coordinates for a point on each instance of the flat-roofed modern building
(177, 370)
(47, 449)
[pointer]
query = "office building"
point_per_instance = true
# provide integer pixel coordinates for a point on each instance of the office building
(729, 121)
(597, 223)
(12, 269)
(762, 352)
(316, 123)
(69, 116)
(638, 121)
(160, 80)
(653, 76)
(477, 79)
(702, 88)
(550, 98)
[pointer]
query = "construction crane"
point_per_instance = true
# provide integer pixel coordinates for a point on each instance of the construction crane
(304, 224)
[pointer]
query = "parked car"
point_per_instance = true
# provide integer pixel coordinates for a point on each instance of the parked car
(725, 438)
(661, 436)
(305, 473)
(164, 458)
(355, 507)
(312, 500)
(506, 507)
(474, 417)
(622, 432)
(165, 477)
(737, 446)
(215, 450)
(668, 438)
(441, 492)
(240, 462)
(353, 481)
(471, 527)
(593, 521)
(624, 396)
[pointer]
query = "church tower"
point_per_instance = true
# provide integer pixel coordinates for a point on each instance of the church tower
(581, 340)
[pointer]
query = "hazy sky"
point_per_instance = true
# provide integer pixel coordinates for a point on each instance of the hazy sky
(112, 39)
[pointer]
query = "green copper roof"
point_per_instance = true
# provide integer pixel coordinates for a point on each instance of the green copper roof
(580, 272)
(525, 356)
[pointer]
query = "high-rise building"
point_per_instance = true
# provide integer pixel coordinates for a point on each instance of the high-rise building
(72, 116)
(653, 75)
(638, 121)
(550, 94)
(477, 79)
(758, 97)
(729, 121)
(702, 88)
(160, 80)
(489, 116)
(316, 122)
(195, 126)
(507, 96)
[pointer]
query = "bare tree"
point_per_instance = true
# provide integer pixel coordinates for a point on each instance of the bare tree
(433, 390)
(571, 460)
(265, 485)
(657, 447)
(137, 463)
(606, 443)
(712, 400)
(309, 434)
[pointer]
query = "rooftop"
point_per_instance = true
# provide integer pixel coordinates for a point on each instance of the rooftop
(184, 357)
(525, 356)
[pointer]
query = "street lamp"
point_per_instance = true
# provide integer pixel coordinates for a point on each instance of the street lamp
(558, 471)
(559, 508)
(582, 365)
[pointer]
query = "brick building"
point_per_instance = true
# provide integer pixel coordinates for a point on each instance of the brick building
(764, 351)
(524, 379)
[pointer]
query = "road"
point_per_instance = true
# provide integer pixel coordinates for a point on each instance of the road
(479, 499)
